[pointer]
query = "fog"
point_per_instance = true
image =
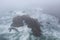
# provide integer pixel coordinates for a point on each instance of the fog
(50, 27)
(49, 6)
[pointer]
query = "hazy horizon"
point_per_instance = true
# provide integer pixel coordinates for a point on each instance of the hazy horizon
(49, 6)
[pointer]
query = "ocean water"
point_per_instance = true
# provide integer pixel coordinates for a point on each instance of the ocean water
(50, 26)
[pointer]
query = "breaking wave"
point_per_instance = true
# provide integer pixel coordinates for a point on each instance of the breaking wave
(50, 26)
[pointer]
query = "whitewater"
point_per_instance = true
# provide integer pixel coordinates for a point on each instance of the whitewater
(50, 26)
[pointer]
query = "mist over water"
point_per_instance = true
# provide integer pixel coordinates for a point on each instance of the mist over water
(46, 11)
(51, 7)
(50, 28)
